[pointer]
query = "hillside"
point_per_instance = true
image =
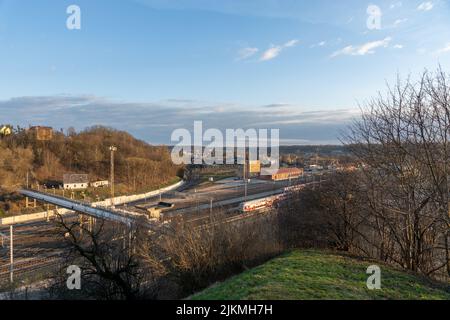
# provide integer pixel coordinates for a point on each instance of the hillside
(311, 275)
(139, 167)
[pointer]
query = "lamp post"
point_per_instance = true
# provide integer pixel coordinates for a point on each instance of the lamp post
(112, 149)
(11, 254)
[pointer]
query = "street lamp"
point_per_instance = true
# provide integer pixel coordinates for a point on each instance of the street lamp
(112, 149)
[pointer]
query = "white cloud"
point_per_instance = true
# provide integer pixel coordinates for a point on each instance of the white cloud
(445, 49)
(396, 5)
(291, 43)
(275, 51)
(271, 53)
(320, 44)
(425, 6)
(155, 121)
(362, 50)
(399, 21)
(398, 46)
(246, 53)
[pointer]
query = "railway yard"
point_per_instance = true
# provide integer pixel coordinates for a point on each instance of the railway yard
(38, 249)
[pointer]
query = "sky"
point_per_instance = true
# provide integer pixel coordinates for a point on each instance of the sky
(152, 66)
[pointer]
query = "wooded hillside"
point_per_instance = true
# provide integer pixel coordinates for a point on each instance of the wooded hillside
(138, 165)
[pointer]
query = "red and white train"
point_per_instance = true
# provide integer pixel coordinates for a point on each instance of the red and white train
(260, 204)
(269, 202)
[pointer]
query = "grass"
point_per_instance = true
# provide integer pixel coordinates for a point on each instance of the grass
(313, 275)
(204, 179)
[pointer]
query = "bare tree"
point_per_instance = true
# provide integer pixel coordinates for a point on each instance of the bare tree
(113, 258)
(197, 256)
(401, 143)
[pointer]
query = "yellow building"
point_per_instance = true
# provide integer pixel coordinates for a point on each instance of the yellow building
(254, 166)
(5, 130)
(285, 174)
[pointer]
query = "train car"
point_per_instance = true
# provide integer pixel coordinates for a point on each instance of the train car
(259, 204)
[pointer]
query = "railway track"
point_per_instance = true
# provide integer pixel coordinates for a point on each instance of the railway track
(21, 269)
(235, 218)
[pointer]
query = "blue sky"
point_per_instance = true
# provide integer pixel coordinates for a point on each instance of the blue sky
(151, 66)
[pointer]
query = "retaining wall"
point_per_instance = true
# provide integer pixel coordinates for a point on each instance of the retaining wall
(117, 201)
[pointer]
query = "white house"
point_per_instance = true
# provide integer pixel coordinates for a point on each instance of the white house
(99, 184)
(75, 181)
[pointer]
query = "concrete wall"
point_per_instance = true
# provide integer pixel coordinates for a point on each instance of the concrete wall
(117, 201)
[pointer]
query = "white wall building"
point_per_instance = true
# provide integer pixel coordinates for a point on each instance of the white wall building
(99, 184)
(75, 181)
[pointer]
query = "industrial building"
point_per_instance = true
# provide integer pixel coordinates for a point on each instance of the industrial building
(285, 174)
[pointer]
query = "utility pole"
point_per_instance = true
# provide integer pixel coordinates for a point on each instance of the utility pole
(90, 224)
(210, 208)
(245, 191)
(11, 254)
(112, 149)
(81, 225)
(26, 198)
(245, 173)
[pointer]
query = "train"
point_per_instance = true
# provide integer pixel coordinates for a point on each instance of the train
(269, 202)
(260, 204)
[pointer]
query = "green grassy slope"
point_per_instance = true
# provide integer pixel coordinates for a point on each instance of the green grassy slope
(309, 275)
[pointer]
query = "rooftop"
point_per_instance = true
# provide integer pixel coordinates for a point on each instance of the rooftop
(289, 171)
(75, 178)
